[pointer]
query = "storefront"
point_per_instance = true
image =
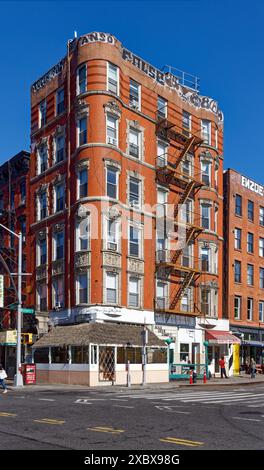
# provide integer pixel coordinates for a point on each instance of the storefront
(221, 344)
(8, 342)
(99, 353)
(252, 344)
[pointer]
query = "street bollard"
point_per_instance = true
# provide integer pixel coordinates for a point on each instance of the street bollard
(191, 377)
(128, 374)
(204, 377)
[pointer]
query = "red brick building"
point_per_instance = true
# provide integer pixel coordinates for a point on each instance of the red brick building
(112, 137)
(244, 262)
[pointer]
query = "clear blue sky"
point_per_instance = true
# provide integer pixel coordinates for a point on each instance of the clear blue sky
(221, 41)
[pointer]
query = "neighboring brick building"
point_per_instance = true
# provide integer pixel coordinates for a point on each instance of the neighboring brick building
(244, 262)
(109, 129)
(13, 215)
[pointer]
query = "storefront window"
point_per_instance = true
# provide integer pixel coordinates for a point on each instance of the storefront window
(80, 355)
(59, 355)
(133, 355)
(41, 356)
(184, 352)
(156, 356)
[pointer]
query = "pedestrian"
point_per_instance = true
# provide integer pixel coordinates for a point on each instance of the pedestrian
(252, 368)
(3, 376)
(222, 366)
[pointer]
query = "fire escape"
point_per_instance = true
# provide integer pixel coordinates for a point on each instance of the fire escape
(184, 181)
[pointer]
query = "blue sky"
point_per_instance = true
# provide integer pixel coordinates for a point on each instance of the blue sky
(221, 41)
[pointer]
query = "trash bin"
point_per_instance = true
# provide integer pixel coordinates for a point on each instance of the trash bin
(29, 373)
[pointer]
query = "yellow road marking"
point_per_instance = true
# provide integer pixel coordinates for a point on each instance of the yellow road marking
(3, 413)
(106, 429)
(183, 442)
(49, 421)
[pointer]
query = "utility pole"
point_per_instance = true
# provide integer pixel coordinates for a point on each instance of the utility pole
(144, 354)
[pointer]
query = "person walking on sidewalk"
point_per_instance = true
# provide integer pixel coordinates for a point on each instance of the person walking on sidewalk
(3, 376)
(252, 368)
(222, 367)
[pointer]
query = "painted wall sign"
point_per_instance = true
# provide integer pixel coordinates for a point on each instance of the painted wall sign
(252, 186)
(170, 80)
(1, 291)
(53, 72)
(97, 37)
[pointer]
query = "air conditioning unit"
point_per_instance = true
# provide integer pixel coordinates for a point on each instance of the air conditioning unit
(58, 305)
(112, 246)
(111, 140)
(134, 104)
(134, 204)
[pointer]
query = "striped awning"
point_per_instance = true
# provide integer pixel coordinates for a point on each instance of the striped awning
(221, 337)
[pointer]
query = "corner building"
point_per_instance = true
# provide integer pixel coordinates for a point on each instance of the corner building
(244, 263)
(115, 144)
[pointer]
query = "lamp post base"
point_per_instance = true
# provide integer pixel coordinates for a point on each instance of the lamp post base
(18, 380)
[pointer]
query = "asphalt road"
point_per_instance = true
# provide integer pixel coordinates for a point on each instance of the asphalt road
(226, 418)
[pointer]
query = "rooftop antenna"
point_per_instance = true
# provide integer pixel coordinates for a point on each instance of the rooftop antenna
(75, 34)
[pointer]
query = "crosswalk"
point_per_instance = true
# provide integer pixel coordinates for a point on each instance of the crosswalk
(251, 398)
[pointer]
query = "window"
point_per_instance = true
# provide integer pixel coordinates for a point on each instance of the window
(42, 296)
(83, 183)
(60, 143)
(184, 352)
(60, 107)
(42, 113)
(186, 123)
(23, 192)
(23, 227)
(206, 173)
(261, 216)
(238, 233)
(43, 158)
(134, 143)
(111, 288)
(249, 308)
(43, 210)
(58, 292)
(205, 301)
(261, 310)
(261, 247)
(162, 149)
(205, 259)
(161, 295)
(162, 107)
(216, 138)
(250, 242)
(134, 241)
(81, 79)
(205, 212)
(134, 94)
(12, 199)
(82, 234)
(133, 292)
(41, 356)
(59, 192)
(186, 303)
(111, 130)
(42, 250)
(112, 183)
(206, 131)
(237, 271)
(80, 354)
(237, 307)
(59, 245)
(187, 166)
(134, 192)
(112, 234)
(238, 205)
(251, 211)
(59, 355)
(82, 288)
(261, 278)
(112, 78)
(82, 131)
(250, 274)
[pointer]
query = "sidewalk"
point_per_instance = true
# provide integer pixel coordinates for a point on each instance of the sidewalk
(213, 382)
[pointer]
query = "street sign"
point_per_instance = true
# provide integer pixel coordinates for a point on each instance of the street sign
(28, 310)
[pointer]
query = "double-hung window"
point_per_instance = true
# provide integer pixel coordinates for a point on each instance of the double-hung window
(23, 192)
(133, 292)
(237, 270)
(82, 234)
(251, 211)
(134, 94)
(60, 144)
(112, 78)
(261, 278)
(83, 183)
(134, 192)
(205, 259)
(205, 213)
(238, 205)
(112, 130)
(250, 242)
(81, 79)
(43, 210)
(134, 143)
(42, 246)
(60, 107)
(161, 295)
(43, 158)
(42, 113)
(249, 308)
(59, 245)
(261, 216)
(59, 191)
(162, 149)
(82, 131)
(42, 296)
(58, 292)
(112, 183)
(186, 123)
(238, 233)
(134, 241)
(261, 311)
(112, 234)
(206, 173)
(206, 131)
(261, 247)
(111, 287)
(237, 307)
(250, 274)
(162, 108)
(82, 288)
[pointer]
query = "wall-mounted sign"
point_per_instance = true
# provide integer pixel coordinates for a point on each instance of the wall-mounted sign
(8, 337)
(97, 37)
(1, 291)
(56, 70)
(252, 186)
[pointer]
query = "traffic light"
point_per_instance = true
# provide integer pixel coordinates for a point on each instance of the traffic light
(26, 338)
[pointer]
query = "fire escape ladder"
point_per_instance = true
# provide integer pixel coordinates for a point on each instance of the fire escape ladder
(184, 196)
(185, 284)
(188, 144)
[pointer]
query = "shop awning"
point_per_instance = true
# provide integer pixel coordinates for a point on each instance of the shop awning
(221, 337)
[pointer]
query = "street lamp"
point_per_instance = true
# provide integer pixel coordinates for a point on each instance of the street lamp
(18, 379)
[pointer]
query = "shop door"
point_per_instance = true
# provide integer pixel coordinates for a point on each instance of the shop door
(106, 364)
(217, 357)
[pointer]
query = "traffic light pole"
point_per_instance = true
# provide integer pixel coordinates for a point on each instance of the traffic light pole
(18, 379)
